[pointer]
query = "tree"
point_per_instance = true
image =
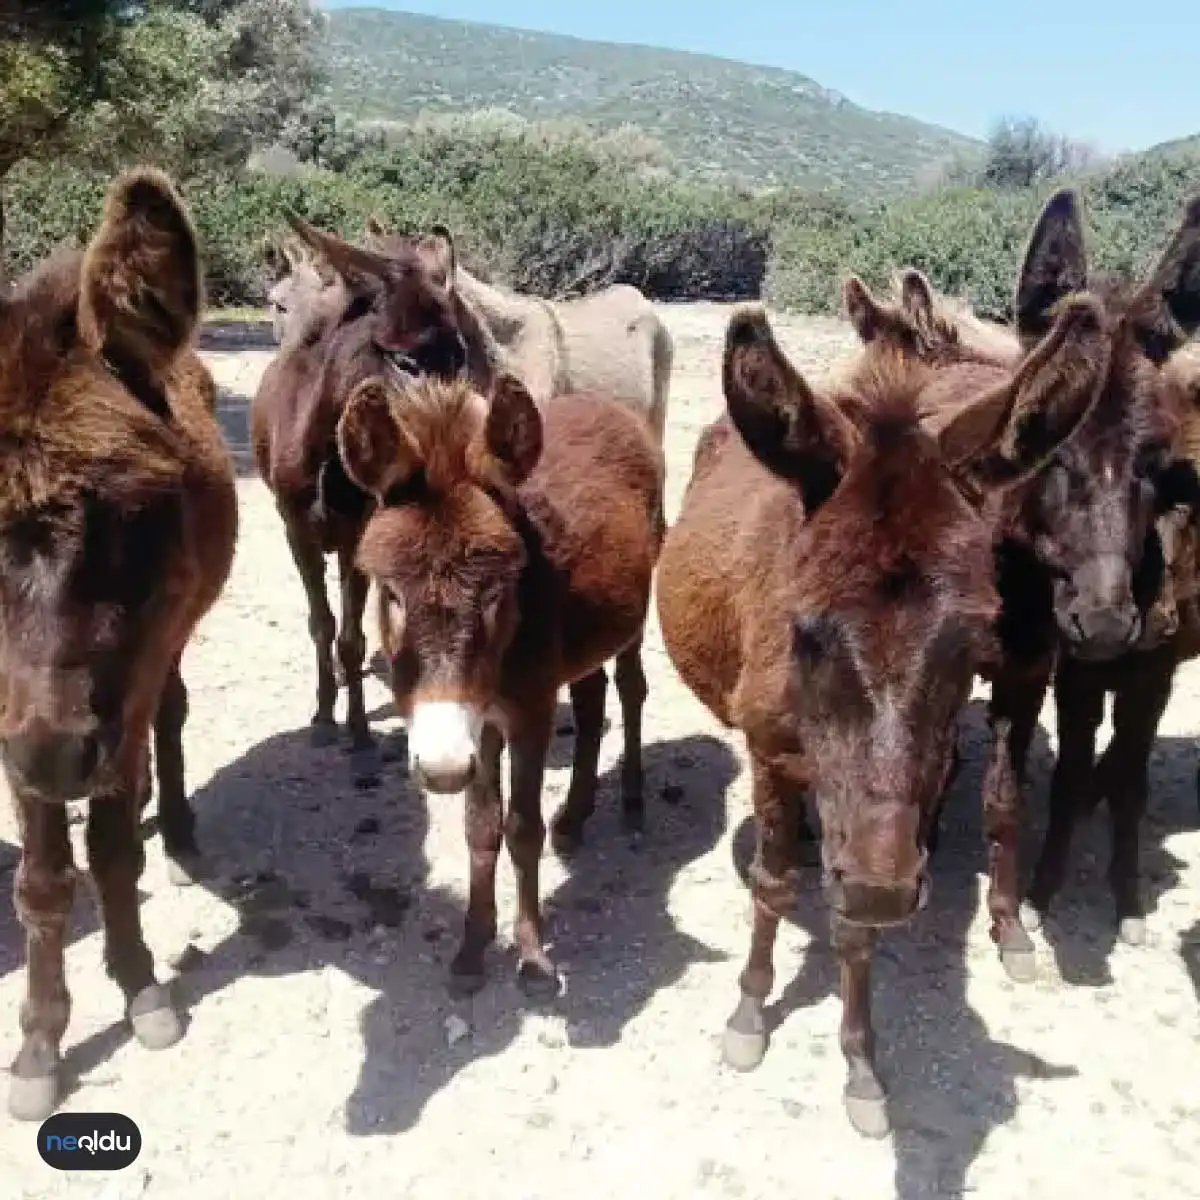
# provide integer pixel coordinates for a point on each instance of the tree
(54, 60)
(194, 84)
(1021, 154)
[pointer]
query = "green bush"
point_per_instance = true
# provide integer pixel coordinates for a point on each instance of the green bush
(567, 217)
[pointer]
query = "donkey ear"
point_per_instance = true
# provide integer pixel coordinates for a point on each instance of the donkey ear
(1010, 432)
(916, 296)
(1168, 306)
(374, 449)
(871, 319)
(863, 311)
(353, 263)
(793, 432)
(1055, 264)
(141, 288)
(513, 433)
(440, 241)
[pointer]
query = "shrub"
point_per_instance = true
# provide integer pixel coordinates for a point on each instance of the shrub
(565, 215)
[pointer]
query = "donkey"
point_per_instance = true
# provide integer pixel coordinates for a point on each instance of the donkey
(385, 312)
(513, 551)
(1101, 539)
(829, 590)
(118, 520)
(294, 297)
(611, 343)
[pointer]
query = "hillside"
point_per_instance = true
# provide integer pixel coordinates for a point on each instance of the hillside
(760, 125)
(1177, 148)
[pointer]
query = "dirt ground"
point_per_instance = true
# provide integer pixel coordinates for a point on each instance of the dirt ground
(324, 1055)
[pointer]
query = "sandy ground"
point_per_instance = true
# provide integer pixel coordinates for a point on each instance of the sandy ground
(323, 1056)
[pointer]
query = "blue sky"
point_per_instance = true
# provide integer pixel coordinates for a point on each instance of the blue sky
(1118, 75)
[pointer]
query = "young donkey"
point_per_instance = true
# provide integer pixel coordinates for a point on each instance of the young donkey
(1089, 539)
(828, 589)
(383, 310)
(118, 517)
(513, 551)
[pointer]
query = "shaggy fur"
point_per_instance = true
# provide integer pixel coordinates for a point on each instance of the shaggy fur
(829, 590)
(118, 518)
(513, 550)
(1116, 508)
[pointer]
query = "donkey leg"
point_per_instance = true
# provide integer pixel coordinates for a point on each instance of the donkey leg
(587, 701)
(525, 835)
(483, 820)
(310, 564)
(1018, 691)
(176, 819)
(1079, 699)
(773, 885)
(1002, 828)
(43, 891)
(864, 1096)
(117, 859)
(352, 651)
(1138, 707)
(632, 691)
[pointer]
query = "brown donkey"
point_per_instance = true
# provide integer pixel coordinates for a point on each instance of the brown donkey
(828, 589)
(385, 312)
(513, 551)
(1091, 561)
(118, 518)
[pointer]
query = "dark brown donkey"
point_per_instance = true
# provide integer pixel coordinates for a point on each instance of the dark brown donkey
(118, 517)
(513, 551)
(1082, 563)
(388, 312)
(828, 589)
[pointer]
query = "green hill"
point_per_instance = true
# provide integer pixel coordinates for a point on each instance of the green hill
(1177, 148)
(717, 118)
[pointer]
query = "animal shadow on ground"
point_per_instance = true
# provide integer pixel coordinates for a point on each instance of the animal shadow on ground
(318, 873)
(607, 926)
(323, 875)
(1081, 926)
(233, 413)
(950, 1083)
(85, 916)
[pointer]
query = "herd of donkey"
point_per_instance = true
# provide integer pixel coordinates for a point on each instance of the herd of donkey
(956, 499)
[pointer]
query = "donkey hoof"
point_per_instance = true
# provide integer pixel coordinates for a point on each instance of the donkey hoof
(366, 766)
(538, 980)
(1031, 917)
(1132, 931)
(743, 1051)
(868, 1114)
(155, 1022)
(323, 734)
(744, 1044)
(186, 868)
(1019, 963)
(33, 1097)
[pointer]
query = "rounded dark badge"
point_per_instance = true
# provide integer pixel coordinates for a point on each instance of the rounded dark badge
(89, 1141)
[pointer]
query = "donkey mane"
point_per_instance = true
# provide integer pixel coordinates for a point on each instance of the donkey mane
(922, 533)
